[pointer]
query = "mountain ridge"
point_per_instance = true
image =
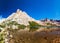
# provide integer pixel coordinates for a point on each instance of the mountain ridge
(22, 17)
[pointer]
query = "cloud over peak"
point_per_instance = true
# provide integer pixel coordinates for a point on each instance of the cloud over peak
(1, 18)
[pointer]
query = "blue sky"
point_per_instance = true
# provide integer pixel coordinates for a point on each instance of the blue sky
(38, 9)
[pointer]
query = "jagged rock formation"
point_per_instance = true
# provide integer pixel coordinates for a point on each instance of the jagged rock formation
(21, 17)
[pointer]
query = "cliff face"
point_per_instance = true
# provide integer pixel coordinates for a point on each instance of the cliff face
(20, 17)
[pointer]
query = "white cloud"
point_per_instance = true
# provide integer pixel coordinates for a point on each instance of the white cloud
(1, 18)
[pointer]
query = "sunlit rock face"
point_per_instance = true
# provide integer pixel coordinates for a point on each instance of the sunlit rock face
(21, 17)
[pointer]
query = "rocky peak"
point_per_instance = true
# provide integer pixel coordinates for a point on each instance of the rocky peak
(21, 17)
(18, 10)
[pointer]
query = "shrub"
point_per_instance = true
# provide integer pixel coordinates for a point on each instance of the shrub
(48, 23)
(2, 26)
(12, 23)
(21, 26)
(33, 26)
(1, 38)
